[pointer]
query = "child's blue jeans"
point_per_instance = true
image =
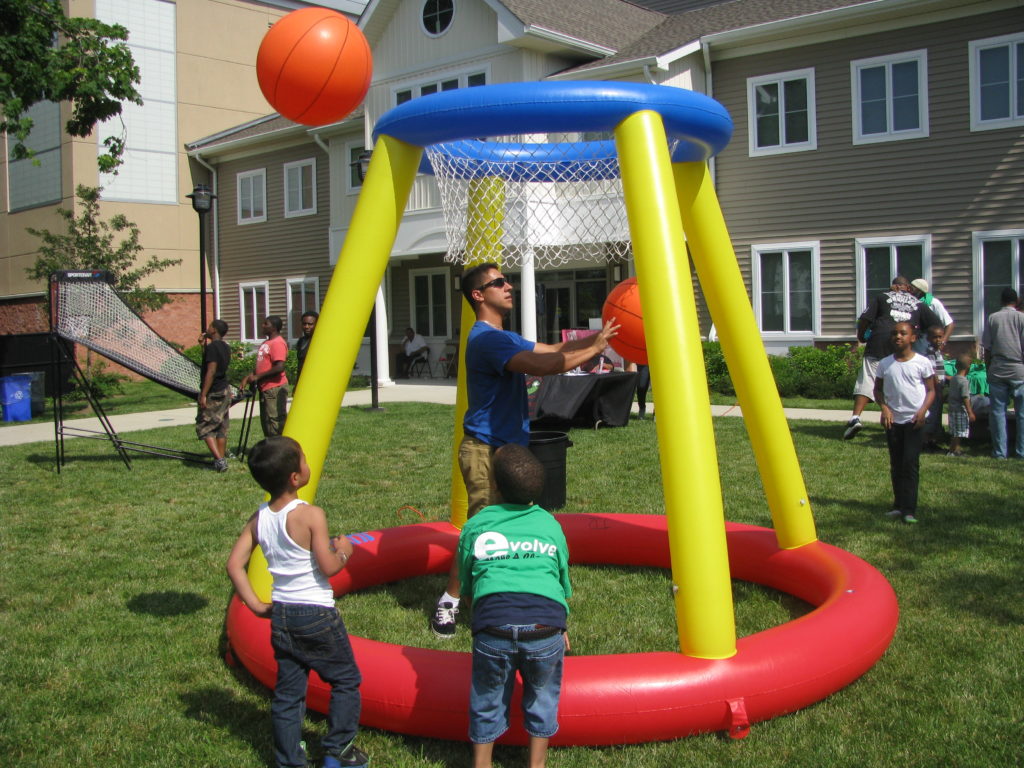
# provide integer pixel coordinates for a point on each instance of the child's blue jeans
(308, 637)
(495, 661)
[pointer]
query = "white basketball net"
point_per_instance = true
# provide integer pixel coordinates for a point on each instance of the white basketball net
(90, 312)
(542, 202)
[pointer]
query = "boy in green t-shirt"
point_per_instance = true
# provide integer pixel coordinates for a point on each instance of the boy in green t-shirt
(514, 561)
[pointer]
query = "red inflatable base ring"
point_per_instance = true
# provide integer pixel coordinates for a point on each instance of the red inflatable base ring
(626, 698)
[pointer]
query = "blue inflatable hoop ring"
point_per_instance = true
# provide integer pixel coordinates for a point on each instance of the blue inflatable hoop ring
(701, 126)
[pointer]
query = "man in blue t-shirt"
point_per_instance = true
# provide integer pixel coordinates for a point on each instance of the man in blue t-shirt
(497, 364)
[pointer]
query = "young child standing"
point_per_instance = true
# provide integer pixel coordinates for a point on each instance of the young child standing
(933, 425)
(961, 415)
(514, 561)
(306, 629)
(905, 389)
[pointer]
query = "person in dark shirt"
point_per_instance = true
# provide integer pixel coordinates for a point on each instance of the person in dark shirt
(215, 394)
(302, 345)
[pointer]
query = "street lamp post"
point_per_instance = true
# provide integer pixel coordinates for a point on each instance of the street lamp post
(202, 200)
(360, 166)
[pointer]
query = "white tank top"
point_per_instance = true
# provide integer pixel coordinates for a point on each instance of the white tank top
(297, 577)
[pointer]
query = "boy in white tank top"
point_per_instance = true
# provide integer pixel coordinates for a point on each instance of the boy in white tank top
(301, 556)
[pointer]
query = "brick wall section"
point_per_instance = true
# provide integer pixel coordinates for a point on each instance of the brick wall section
(177, 321)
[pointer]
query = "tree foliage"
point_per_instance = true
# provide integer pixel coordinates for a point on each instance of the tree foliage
(47, 56)
(92, 243)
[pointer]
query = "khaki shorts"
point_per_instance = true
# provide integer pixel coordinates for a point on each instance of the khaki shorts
(866, 378)
(478, 474)
(212, 420)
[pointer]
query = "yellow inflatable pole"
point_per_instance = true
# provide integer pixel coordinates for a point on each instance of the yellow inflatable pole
(346, 308)
(485, 219)
(689, 466)
(722, 284)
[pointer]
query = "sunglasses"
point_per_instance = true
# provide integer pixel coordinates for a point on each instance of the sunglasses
(498, 282)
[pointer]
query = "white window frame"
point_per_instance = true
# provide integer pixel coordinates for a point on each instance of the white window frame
(978, 240)
(755, 271)
(922, 131)
(779, 79)
(975, 47)
(314, 281)
(254, 177)
(299, 164)
(429, 273)
(416, 86)
(242, 289)
(351, 185)
(861, 244)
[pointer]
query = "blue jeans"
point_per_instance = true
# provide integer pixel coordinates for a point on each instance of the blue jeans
(306, 637)
(495, 661)
(1000, 391)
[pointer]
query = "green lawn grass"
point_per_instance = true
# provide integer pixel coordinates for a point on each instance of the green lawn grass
(113, 594)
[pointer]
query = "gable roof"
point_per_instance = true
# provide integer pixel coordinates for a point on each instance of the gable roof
(678, 30)
(609, 23)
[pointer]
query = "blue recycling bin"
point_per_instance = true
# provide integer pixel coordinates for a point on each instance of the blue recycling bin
(16, 397)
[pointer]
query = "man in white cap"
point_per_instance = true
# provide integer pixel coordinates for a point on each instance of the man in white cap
(919, 288)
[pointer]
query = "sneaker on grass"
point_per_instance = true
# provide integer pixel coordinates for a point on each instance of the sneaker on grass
(351, 757)
(893, 513)
(853, 426)
(443, 621)
(220, 465)
(909, 518)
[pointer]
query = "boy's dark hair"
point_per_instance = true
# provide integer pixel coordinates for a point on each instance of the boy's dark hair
(272, 461)
(474, 278)
(518, 474)
(964, 362)
(221, 326)
(275, 321)
(934, 329)
(1006, 298)
(311, 313)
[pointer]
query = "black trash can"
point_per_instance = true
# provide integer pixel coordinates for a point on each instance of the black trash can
(549, 448)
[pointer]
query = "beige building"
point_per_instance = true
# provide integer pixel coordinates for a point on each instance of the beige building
(197, 60)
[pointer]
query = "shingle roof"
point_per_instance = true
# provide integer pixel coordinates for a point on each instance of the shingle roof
(682, 28)
(611, 23)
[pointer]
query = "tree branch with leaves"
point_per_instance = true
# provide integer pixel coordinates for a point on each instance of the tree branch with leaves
(47, 56)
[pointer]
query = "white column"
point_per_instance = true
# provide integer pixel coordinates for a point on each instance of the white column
(381, 330)
(528, 297)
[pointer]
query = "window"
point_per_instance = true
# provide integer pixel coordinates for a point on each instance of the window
(437, 16)
(781, 113)
(890, 97)
(997, 82)
(36, 181)
(149, 173)
(997, 265)
(448, 84)
(300, 188)
(252, 196)
(430, 302)
(785, 281)
(303, 296)
(253, 307)
(879, 260)
(354, 183)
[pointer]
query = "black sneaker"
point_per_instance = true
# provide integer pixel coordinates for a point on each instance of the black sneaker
(351, 757)
(443, 620)
(853, 426)
(220, 465)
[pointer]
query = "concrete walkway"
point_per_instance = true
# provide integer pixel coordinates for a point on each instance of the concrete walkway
(425, 391)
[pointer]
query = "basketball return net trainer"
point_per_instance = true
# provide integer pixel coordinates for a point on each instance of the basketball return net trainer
(532, 202)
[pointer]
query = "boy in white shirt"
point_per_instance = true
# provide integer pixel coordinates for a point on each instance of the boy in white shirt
(905, 389)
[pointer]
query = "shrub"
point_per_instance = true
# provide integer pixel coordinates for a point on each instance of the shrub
(100, 382)
(805, 372)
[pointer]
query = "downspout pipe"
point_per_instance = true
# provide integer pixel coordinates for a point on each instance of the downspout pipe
(215, 248)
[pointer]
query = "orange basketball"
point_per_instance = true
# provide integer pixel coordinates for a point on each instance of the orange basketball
(623, 303)
(314, 66)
